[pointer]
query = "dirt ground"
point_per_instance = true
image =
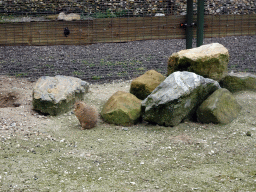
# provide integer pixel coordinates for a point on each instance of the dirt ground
(43, 153)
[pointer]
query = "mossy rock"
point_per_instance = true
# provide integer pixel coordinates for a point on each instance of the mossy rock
(235, 82)
(177, 98)
(143, 85)
(220, 108)
(57, 95)
(210, 61)
(122, 109)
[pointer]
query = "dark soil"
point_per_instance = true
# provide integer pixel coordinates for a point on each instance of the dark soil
(8, 99)
(105, 62)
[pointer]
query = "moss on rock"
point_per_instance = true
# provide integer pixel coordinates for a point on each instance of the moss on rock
(221, 107)
(143, 85)
(235, 82)
(122, 109)
(210, 61)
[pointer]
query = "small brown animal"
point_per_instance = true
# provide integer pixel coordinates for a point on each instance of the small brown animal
(88, 116)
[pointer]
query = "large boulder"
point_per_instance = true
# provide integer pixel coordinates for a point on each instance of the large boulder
(143, 85)
(122, 109)
(210, 61)
(220, 107)
(235, 82)
(177, 98)
(56, 95)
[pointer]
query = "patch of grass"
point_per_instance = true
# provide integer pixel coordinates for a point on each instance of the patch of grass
(122, 73)
(122, 63)
(84, 62)
(49, 66)
(78, 73)
(96, 77)
(141, 69)
(21, 74)
(107, 14)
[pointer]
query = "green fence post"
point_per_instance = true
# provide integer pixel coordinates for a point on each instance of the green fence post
(189, 31)
(200, 22)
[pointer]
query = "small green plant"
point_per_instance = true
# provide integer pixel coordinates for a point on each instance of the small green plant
(123, 63)
(122, 73)
(122, 13)
(109, 63)
(140, 69)
(49, 65)
(133, 62)
(96, 77)
(159, 70)
(102, 62)
(232, 66)
(78, 73)
(107, 14)
(85, 62)
(21, 74)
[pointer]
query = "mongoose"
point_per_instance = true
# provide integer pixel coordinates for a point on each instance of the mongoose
(87, 115)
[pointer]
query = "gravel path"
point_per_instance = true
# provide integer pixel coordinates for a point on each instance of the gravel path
(105, 62)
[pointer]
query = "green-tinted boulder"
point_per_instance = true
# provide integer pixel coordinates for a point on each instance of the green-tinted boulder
(143, 85)
(209, 61)
(220, 107)
(122, 109)
(235, 82)
(57, 95)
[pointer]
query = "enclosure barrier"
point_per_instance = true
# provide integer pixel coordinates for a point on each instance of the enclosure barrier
(121, 29)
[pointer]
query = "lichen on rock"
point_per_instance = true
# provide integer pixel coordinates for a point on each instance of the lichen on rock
(210, 61)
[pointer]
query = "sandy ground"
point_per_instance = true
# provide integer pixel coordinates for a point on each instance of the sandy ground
(23, 120)
(43, 153)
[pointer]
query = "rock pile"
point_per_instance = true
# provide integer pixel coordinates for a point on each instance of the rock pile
(185, 95)
(182, 95)
(177, 98)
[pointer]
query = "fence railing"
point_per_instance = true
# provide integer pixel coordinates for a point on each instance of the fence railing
(120, 29)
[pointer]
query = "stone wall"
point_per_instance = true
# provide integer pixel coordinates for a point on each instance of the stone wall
(123, 8)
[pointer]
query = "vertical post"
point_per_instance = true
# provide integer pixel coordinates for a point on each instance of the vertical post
(200, 22)
(189, 31)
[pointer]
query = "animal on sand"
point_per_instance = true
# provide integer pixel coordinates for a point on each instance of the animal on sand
(87, 115)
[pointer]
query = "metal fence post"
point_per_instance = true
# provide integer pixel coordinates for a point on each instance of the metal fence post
(200, 22)
(189, 31)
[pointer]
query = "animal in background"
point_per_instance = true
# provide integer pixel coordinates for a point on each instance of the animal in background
(66, 32)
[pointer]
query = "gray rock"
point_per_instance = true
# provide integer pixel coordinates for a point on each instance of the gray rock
(210, 61)
(177, 98)
(56, 95)
(235, 82)
(220, 107)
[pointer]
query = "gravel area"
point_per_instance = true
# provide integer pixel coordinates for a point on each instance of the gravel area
(105, 62)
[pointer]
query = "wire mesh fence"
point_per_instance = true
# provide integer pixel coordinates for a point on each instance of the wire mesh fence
(111, 39)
